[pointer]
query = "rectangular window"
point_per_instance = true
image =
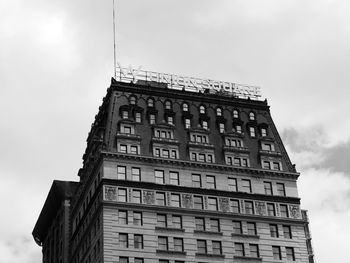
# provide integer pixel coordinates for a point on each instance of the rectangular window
(210, 158)
(163, 261)
(284, 210)
(196, 180)
(271, 209)
(165, 153)
(123, 240)
(244, 162)
(290, 254)
(163, 243)
(214, 225)
(123, 260)
(123, 217)
(266, 165)
(187, 123)
(173, 154)
(276, 252)
(160, 198)
(133, 149)
(267, 147)
(159, 176)
(201, 157)
(175, 200)
(276, 166)
(249, 209)
(122, 195)
(237, 161)
(287, 232)
(198, 202)
(268, 188)
(202, 246)
(200, 224)
(121, 173)
(229, 160)
(170, 120)
(174, 178)
(161, 220)
(205, 125)
(221, 127)
(273, 230)
(136, 196)
(217, 250)
(263, 132)
(136, 174)
(237, 227)
(152, 119)
(178, 244)
(138, 241)
(138, 260)
(246, 186)
(254, 250)
(127, 129)
(123, 148)
(235, 206)
(138, 117)
(125, 114)
(157, 152)
(211, 182)
(238, 128)
(251, 228)
(177, 221)
(193, 156)
(212, 204)
(137, 219)
(280, 189)
(232, 184)
(239, 249)
(252, 131)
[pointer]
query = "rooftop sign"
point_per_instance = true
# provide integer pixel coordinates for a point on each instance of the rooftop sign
(189, 83)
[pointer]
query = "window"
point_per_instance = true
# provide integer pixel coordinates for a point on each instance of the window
(210, 158)
(276, 252)
(132, 100)
(137, 219)
(276, 166)
(239, 249)
(174, 178)
(133, 149)
(163, 261)
(168, 105)
(127, 129)
(287, 232)
(175, 200)
(201, 157)
(254, 250)
(138, 118)
(214, 225)
(212, 203)
(122, 195)
(235, 114)
(205, 125)
(200, 224)
(185, 107)
(238, 128)
(271, 209)
(280, 189)
(290, 254)
(123, 260)
(268, 147)
(178, 244)
(284, 210)
(170, 120)
(125, 114)
(268, 188)
(160, 198)
(246, 186)
(237, 161)
(187, 123)
(136, 174)
(218, 112)
(123, 240)
(123, 148)
(152, 119)
(244, 162)
(196, 180)
(198, 202)
(159, 175)
(211, 182)
(232, 184)
(274, 230)
(138, 260)
(138, 241)
(201, 109)
(251, 228)
(150, 102)
(163, 243)
(237, 227)
(202, 246)
(252, 116)
(217, 250)
(249, 207)
(263, 132)
(157, 152)
(266, 165)
(161, 220)
(235, 206)
(177, 221)
(173, 154)
(252, 131)
(221, 127)
(136, 196)
(165, 153)
(121, 173)
(123, 217)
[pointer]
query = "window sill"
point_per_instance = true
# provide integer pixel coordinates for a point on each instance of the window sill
(210, 255)
(207, 232)
(170, 229)
(245, 235)
(170, 252)
(249, 259)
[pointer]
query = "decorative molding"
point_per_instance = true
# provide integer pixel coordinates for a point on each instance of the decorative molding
(110, 193)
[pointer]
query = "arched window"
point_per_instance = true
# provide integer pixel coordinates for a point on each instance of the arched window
(185, 107)
(132, 100)
(218, 112)
(168, 105)
(201, 109)
(235, 114)
(252, 116)
(150, 102)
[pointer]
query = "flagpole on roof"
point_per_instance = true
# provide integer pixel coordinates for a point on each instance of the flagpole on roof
(114, 44)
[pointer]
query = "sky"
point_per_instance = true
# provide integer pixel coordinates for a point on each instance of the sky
(56, 62)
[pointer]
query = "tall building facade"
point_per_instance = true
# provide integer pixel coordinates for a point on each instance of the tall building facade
(178, 170)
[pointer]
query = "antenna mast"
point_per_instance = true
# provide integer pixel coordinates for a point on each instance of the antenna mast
(114, 44)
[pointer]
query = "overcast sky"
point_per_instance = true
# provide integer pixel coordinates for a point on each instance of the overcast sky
(56, 61)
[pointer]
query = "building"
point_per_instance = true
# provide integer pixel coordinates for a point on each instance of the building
(178, 170)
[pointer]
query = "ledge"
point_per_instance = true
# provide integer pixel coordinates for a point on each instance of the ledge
(248, 259)
(210, 255)
(270, 153)
(169, 229)
(236, 149)
(201, 145)
(165, 141)
(128, 136)
(170, 252)
(245, 235)
(207, 232)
